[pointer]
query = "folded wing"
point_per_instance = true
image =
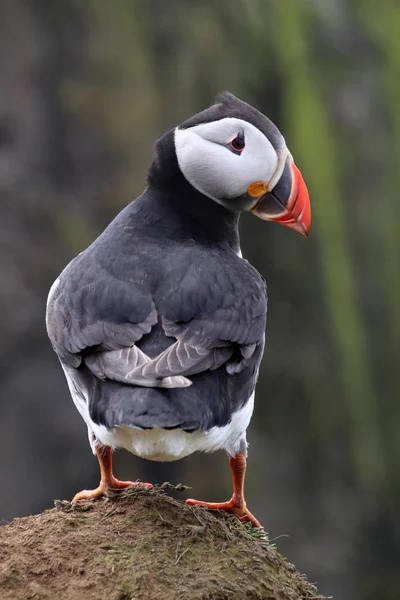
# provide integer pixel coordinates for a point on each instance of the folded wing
(211, 319)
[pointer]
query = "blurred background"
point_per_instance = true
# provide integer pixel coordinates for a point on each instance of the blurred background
(86, 87)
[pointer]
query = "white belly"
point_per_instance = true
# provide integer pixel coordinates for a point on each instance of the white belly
(166, 444)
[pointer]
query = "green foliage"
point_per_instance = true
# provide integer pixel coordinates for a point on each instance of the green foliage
(314, 141)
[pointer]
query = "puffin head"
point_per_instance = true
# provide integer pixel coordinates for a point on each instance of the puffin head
(236, 156)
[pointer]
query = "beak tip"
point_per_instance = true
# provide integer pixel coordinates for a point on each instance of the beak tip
(300, 226)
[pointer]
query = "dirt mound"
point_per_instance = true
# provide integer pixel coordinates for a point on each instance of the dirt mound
(141, 545)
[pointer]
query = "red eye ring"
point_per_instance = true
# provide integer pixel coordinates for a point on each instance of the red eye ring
(238, 144)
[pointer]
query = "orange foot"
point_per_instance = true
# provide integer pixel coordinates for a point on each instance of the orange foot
(237, 508)
(107, 481)
(102, 489)
(237, 504)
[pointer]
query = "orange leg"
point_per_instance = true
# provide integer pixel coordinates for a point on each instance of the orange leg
(237, 504)
(107, 481)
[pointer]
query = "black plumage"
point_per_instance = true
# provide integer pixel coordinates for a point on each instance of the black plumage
(165, 269)
(228, 105)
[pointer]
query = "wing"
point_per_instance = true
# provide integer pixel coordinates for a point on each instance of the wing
(215, 309)
(90, 308)
(214, 317)
(220, 298)
(90, 313)
(125, 366)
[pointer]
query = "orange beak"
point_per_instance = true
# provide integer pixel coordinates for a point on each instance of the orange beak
(288, 201)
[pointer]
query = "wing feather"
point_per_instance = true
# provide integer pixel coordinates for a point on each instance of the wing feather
(214, 307)
(125, 365)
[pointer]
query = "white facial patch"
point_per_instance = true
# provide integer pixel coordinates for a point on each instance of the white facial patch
(213, 169)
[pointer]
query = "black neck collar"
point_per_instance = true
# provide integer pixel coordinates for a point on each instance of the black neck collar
(190, 210)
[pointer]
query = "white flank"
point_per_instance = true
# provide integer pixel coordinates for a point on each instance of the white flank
(162, 444)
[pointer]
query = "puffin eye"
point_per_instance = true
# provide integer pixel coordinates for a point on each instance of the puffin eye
(238, 143)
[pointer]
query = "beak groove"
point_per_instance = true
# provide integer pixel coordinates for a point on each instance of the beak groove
(288, 201)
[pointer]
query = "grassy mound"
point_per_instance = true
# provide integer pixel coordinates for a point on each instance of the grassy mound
(142, 545)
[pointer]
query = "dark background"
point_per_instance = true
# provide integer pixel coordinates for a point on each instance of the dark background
(86, 87)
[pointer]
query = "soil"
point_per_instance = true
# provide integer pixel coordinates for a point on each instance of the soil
(142, 545)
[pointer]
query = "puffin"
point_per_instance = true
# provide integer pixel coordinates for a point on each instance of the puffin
(159, 325)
